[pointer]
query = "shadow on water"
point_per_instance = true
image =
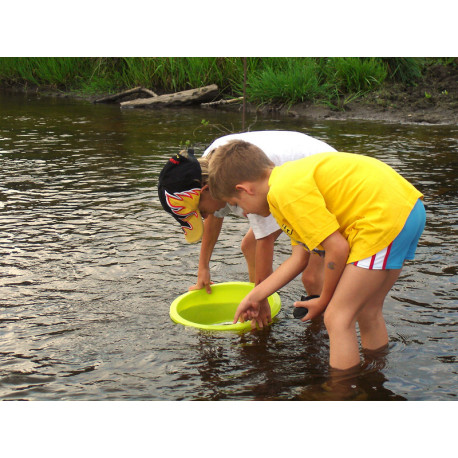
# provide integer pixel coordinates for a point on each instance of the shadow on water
(89, 265)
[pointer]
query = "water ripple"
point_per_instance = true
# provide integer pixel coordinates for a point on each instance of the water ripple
(90, 263)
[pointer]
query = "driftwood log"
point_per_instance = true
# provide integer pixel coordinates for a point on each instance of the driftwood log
(192, 96)
(222, 102)
(130, 94)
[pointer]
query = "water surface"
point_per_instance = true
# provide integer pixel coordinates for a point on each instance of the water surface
(90, 263)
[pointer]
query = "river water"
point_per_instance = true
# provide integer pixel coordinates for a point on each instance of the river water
(90, 263)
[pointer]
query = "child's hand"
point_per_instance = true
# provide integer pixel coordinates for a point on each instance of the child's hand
(258, 312)
(203, 281)
(264, 316)
(246, 310)
(315, 308)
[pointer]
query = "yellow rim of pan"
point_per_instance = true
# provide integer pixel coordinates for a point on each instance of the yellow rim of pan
(221, 292)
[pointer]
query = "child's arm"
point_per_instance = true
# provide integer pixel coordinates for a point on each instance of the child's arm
(335, 259)
(293, 266)
(212, 229)
(336, 250)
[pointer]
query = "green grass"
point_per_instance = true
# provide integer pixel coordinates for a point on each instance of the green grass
(286, 80)
(44, 71)
(407, 70)
(355, 75)
(277, 80)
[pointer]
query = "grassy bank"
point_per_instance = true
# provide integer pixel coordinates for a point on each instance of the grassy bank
(270, 80)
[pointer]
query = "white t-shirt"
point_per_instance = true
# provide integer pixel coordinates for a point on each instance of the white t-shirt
(280, 146)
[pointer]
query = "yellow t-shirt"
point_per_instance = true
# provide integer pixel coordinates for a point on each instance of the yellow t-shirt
(361, 197)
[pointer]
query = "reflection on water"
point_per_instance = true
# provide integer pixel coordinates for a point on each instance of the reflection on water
(89, 265)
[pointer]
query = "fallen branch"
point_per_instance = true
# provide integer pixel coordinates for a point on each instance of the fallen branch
(222, 102)
(191, 96)
(124, 94)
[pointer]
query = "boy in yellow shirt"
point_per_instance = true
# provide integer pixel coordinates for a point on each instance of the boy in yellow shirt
(365, 216)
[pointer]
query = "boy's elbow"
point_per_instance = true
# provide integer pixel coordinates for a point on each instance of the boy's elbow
(344, 247)
(337, 244)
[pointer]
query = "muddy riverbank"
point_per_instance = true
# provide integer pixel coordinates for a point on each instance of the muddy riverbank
(432, 100)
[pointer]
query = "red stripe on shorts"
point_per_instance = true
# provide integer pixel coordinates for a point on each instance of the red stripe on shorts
(386, 256)
(372, 262)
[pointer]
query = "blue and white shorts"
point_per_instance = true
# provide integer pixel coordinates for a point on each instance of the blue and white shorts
(403, 247)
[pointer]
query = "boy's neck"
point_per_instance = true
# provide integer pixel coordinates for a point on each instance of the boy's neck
(268, 173)
(263, 183)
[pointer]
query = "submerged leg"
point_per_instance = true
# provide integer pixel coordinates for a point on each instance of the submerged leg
(359, 296)
(370, 319)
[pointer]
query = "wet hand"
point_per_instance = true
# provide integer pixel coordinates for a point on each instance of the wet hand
(264, 317)
(258, 312)
(203, 281)
(315, 308)
(247, 310)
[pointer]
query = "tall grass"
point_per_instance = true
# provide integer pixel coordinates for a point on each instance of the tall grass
(269, 79)
(45, 71)
(353, 74)
(174, 74)
(164, 74)
(285, 80)
(404, 69)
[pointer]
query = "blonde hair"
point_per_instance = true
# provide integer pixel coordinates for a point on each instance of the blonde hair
(233, 163)
(203, 162)
(204, 165)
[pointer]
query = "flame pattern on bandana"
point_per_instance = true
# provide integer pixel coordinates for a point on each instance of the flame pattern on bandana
(184, 205)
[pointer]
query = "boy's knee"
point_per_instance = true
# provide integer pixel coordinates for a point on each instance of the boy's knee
(329, 319)
(247, 246)
(335, 320)
(312, 281)
(308, 278)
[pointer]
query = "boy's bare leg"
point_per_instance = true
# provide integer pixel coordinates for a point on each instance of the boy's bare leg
(248, 247)
(357, 289)
(372, 327)
(313, 275)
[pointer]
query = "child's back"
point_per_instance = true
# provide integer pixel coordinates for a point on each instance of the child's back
(363, 198)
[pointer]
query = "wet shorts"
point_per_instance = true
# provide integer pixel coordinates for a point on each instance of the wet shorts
(403, 247)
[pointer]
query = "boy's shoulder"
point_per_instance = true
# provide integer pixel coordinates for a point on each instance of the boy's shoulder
(293, 176)
(284, 176)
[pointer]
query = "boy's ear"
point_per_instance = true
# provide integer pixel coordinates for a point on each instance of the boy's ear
(244, 187)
